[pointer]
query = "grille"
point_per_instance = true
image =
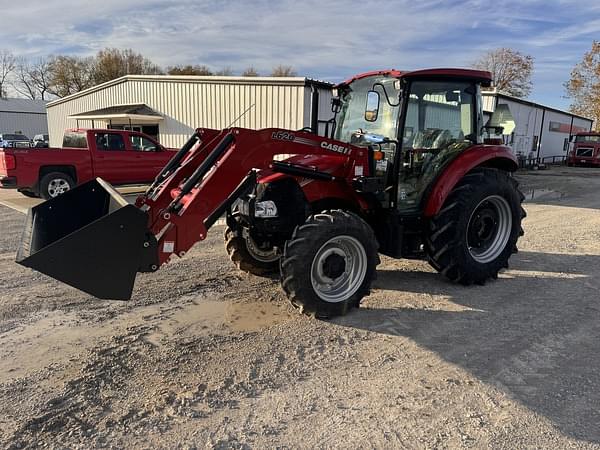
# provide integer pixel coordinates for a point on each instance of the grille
(585, 152)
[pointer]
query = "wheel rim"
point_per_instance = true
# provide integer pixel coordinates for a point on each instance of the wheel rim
(263, 255)
(338, 269)
(58, 186)
(489, 229)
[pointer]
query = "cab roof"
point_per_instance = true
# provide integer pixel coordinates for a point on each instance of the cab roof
(480, 76)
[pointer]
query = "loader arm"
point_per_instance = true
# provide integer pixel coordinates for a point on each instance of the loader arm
(218, 170)
(91, 238)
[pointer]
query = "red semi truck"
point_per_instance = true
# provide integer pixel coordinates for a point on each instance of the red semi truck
(586, 150)
(118, 156)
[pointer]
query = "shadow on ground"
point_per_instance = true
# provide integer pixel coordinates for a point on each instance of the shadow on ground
(534, 333)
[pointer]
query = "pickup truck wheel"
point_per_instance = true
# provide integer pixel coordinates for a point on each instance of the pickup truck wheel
(54, 184)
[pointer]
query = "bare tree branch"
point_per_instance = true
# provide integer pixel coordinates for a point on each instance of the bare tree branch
(7, 66)
(510, 69)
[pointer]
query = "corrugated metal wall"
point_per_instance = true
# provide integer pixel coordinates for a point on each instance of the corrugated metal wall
(29, 124)
(190, 102)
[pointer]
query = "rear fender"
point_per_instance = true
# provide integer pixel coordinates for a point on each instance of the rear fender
(499, 157)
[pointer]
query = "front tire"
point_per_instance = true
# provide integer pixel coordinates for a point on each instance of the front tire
(248, 256)
(329, 263)
(472, 237)
(55, 183)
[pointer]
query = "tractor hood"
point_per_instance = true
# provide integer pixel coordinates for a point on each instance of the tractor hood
(309, 166)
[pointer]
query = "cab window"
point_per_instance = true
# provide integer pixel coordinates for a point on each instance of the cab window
(142, 144)
(109, 142)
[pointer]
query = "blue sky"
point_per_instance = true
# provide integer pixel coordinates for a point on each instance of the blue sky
(329, 40)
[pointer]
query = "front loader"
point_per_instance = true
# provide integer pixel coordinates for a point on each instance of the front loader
(404, 171)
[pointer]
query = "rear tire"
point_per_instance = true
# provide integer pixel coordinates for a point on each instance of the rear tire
(248, 256)
(472, 237)
(54, 184)
(329, 263)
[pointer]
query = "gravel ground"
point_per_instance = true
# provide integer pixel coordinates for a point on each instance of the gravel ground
(204, 356)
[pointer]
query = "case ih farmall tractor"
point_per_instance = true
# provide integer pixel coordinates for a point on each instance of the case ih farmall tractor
(404, 171)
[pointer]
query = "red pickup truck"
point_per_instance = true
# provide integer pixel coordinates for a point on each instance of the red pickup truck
(120, 157)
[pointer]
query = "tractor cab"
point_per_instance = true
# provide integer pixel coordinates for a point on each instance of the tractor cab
(416, 122)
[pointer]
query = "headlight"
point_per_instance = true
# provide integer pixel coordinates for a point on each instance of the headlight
(265, 209)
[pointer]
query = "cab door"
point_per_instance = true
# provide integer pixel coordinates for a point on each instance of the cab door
(112, 160)
(150, 157)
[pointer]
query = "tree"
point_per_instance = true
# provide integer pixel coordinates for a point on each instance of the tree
(22, 81)
(7, 66)
(189, 70)
(32, 79)
(225, 72)
(511, 70)
(70, 74)
(112, 63)
(584, 86)
(40, 76)
(283, 71)
(250, 72)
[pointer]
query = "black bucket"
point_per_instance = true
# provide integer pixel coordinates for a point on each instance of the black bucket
(89, 238)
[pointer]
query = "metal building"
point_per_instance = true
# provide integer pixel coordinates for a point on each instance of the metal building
(171, 107)
(530, 129)
(24, 116)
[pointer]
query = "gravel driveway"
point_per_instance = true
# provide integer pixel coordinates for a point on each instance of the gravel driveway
(204, 356)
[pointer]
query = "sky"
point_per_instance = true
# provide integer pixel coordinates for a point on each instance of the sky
(324, 39)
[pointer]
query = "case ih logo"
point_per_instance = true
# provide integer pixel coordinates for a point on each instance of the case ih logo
(335, 148)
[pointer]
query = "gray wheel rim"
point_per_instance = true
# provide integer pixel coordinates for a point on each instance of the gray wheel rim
(334, 289)
(501, 221)
(265, 256)
(58, 186)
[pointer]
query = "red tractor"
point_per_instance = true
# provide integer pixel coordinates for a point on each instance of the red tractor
(403, 171)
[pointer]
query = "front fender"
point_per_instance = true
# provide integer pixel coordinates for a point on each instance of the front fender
(499, 157)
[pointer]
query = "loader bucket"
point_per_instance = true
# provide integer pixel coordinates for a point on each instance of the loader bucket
(89, 238)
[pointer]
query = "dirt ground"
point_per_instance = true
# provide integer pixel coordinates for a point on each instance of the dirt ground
(204, 356)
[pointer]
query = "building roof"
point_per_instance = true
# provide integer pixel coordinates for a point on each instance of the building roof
(22, 105)
(137, 111)
(280, 81)
(522, 101)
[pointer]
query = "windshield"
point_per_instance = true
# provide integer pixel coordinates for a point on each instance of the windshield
(351, 119)
(588, 138)
(14, 137)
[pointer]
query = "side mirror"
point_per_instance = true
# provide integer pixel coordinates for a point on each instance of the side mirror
(372, 107)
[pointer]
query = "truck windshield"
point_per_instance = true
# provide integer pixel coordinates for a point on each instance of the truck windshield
(587, 138)
(352, 122)
(15, 137)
